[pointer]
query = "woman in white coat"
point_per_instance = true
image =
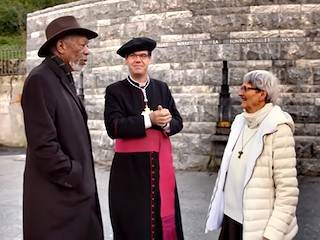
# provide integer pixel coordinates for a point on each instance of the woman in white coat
(256, 191)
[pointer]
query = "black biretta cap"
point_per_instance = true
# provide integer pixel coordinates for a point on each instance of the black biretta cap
(136, 44)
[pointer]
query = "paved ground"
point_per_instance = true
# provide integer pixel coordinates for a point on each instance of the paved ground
(194, 189)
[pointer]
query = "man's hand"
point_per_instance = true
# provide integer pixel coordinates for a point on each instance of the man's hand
(160, 117)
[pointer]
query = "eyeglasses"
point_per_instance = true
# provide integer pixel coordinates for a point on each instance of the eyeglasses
(245, 88)
(142, 56)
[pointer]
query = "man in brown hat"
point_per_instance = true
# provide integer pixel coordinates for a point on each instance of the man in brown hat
(140, 113)
(60, 200)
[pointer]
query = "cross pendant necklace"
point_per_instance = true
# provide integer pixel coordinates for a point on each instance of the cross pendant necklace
(146, 110)
(244, 144)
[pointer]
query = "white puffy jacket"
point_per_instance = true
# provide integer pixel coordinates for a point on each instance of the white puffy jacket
(270, 187)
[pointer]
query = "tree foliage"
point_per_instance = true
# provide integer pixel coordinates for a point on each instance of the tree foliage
(13, 13)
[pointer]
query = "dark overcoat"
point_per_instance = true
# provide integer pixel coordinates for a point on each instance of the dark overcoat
(60, 198)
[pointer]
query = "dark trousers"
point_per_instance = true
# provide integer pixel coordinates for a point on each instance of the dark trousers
(231, 229)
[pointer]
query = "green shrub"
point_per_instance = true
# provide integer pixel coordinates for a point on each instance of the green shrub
(11, 40)
(13, 17)
(13, 13)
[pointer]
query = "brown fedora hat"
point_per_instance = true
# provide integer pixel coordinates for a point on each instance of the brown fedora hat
(63, 26)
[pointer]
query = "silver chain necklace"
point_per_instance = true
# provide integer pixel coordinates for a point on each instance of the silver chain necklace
(244, 144)
(143, 89)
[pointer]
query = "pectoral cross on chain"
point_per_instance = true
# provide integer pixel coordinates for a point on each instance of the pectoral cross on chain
(146, 110)
(240, 154)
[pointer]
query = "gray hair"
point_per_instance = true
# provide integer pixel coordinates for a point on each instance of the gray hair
(266, 81)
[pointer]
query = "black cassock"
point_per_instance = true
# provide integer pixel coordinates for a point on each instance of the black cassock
(134, 208)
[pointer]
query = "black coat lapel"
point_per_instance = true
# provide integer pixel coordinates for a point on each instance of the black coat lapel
(64, 81)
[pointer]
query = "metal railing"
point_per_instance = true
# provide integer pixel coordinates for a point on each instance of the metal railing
(12, 61)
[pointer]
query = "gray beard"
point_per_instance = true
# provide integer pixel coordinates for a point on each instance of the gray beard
(75, 66)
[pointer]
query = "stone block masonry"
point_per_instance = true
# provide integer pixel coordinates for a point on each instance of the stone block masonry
(194, 37)
(11, 119)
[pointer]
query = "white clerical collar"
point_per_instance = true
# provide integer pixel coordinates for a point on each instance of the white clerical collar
(138, 83)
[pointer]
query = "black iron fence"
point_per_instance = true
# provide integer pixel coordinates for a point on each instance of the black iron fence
(12, 61)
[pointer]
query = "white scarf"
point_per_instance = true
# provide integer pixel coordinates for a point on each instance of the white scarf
(253, 120)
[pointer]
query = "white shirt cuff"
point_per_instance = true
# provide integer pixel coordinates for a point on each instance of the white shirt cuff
(147, 121)
(166, 128)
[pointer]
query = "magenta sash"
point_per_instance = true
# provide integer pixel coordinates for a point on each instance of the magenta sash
(156, 141)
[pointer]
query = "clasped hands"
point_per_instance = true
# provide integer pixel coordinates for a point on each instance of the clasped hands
(160, 117)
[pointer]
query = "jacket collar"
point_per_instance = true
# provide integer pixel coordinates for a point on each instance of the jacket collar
(269, 125)
(65, 81)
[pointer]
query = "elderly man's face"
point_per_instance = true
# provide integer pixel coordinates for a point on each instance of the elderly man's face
(76, 51)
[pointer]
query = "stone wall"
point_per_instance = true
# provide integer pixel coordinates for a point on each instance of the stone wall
(194, 37)
(11, 119)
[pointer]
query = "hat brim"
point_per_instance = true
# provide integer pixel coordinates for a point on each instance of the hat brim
(44, 50)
